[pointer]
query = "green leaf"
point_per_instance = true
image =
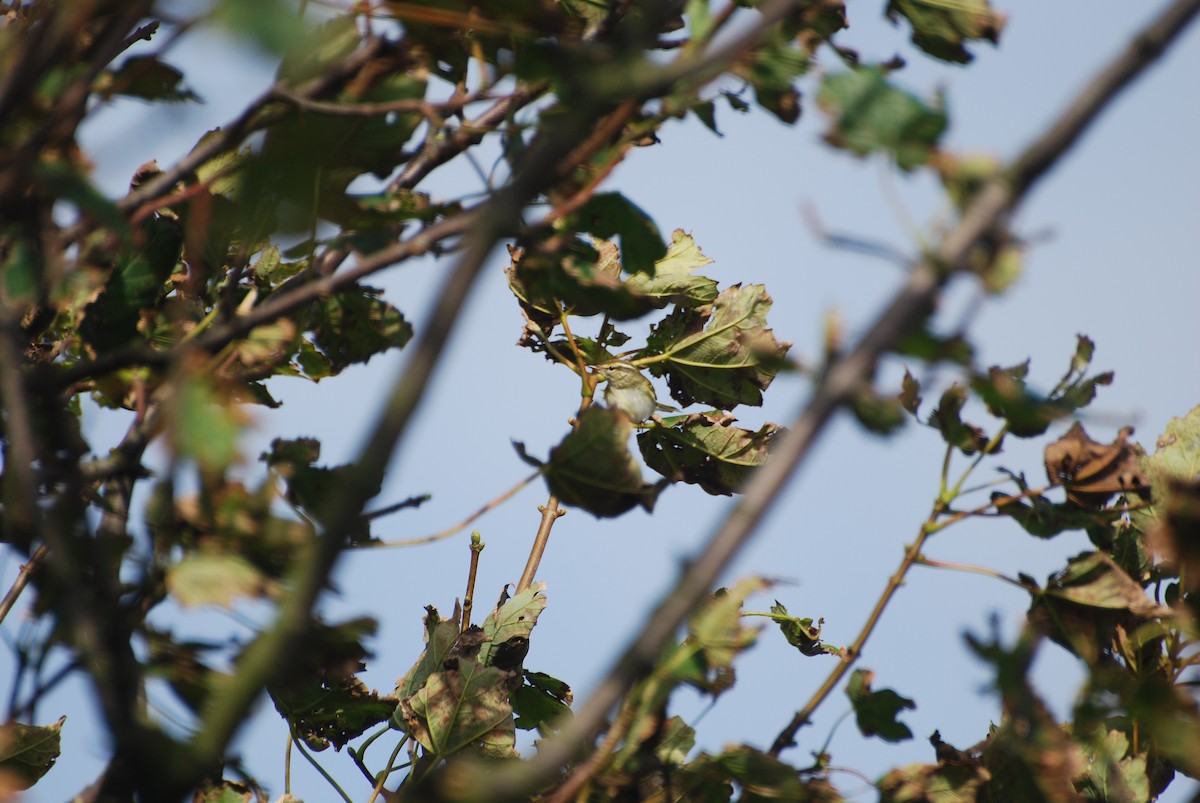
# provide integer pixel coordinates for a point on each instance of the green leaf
(1177, 458)
(205, 424)
(801, 633)
(308, 483)
(1112, 773)
(942, 29)
(1027, 413)
(611, 214)
(880, 414)
(136, 284)
(761, 777)
(875, 711)
(21, 272)
(771, 68)
(869, 114)
(213, 577)
(144, 77)
(464, 707)
(592, 468)
(1040, 517)
(1085, 603)
(584, 278)
(1094, 580)
(705, 449)
(515, 619)
(224, 791)
(271, 24)
(717, 634)
(441, 635)
(355, 325)
(677, 741)
(968, 438)
(910, 393)
(720, 354)
(27, 752)
(331, 710)
(930, 347)
(542, 702)
(673, 278)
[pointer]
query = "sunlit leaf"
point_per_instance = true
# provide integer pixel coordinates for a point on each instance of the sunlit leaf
(515, 619)
(464, 707)
(611, 214)
(720, 354)
(674, 277)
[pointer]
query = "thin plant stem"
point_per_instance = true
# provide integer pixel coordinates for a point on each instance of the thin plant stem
(457, 528)
(787, 737)
(469, 598)
(967, 567)
(23, 575)
(386, 771)
(551, 512)
(320, 770)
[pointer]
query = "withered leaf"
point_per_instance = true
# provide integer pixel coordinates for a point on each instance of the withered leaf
(1092, 472)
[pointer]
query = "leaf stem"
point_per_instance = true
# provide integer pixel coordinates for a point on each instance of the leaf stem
(23, 575)
(469, 598)
(551, 512)
(850, 655)
(462, 525)
(967, 567)
(317, 766)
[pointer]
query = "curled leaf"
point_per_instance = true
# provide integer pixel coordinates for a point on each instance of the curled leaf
(720, 354)
(705, 449)
(1092, 472)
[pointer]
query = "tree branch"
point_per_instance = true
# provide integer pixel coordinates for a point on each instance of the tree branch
(254, 117)
(910, 304)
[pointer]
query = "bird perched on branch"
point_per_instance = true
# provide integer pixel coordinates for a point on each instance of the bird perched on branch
(628, 391)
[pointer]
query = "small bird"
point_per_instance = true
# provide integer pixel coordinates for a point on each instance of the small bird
(629, 391)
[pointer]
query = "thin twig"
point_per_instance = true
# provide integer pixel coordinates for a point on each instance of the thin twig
(465, 136)
(23, 576)
(551, 513)
(254, 117)
(427, 108)
(457, 528)
(851, 654)
(279, 304)
(469, 598)
(968, 567)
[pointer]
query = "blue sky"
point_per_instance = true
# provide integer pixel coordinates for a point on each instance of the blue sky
(1116, 238)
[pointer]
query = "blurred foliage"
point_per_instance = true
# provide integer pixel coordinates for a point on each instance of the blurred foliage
(186, 301)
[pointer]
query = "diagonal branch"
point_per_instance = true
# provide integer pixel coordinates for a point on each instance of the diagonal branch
(268, 655)
(269, 107)
(907, 308)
